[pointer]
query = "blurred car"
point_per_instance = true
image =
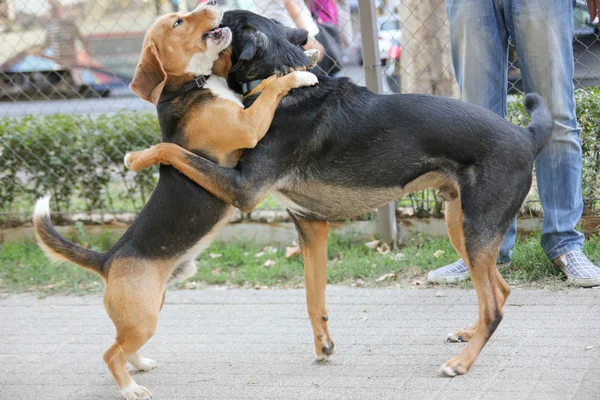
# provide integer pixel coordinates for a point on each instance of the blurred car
(34, 75)
(118, 52)
(389, 35)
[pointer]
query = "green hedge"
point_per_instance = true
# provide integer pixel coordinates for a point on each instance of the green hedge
(77, 159)
(588, 116)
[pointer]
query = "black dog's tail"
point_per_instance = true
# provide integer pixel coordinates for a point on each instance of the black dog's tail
(541, 121)
(58, 248)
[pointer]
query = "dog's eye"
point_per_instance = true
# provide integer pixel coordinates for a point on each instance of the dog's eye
(177, 23)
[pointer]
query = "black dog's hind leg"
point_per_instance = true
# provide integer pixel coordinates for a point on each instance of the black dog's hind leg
(241, 188)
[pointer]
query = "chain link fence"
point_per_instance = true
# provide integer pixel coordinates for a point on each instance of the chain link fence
(68, 116)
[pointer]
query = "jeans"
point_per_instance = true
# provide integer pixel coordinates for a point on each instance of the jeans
(542, 31)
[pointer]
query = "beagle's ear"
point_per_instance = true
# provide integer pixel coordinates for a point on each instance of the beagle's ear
(248, 52)
(150, 76)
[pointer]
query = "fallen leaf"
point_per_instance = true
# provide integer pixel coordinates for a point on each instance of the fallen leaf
(397, 256)
(418, 282)
(372, 245)
(253, 383)
(269, 263)
(270, 250)
(406, 211)
(215, 255)
(190, 285)
(384, 249)
(292, 251)
(439, 293)
(339, 257)
(363, 318)
(589, 347)
(438, 253)
(365, 310)
(257, 287)
(386, 277)
(260, 254)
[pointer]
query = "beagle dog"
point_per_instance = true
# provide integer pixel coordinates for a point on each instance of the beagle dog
(182, 70)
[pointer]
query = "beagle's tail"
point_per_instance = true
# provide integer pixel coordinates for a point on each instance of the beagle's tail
(58, 248)
(541, 121)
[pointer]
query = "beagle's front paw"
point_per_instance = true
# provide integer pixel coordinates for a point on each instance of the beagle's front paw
(304, 78)
(313, 55)
(127, 160)
(139, 160)
(133, 391)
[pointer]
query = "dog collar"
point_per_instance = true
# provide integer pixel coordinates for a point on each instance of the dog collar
(197, 83)
(253, 87)
(248, 87)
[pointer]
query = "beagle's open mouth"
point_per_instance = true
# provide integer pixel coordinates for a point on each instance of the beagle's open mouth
(218, 35)
(214, 33)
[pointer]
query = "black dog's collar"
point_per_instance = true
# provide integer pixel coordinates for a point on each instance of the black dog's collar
(248, 87)
(197, 83)
(260, 87)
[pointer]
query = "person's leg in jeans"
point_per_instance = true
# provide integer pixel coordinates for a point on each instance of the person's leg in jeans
(543, 34)
(543, 31)
(479, 45)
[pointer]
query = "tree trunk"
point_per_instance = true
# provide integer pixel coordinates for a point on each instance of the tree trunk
(426, 62)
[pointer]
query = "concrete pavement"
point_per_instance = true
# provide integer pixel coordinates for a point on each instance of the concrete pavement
(244, 344)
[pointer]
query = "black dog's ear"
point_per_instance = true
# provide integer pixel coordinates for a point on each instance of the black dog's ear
(247, 54)
(298, 37)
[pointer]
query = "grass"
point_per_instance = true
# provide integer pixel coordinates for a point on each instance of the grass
(24, 268)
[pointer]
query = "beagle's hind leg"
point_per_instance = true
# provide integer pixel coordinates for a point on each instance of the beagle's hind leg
(133, 299)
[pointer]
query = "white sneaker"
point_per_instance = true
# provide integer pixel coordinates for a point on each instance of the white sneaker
(455, 272)
(578, 269)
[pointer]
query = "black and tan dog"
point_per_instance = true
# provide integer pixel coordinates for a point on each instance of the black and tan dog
(338, 150)
(198, 111)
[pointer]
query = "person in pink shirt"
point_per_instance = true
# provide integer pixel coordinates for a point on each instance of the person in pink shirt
(325, 11)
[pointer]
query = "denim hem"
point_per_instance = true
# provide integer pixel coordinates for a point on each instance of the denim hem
(503, 260)
(573, 247)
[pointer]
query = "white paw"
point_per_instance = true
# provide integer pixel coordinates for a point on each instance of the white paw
(126, 160)
(133, 391)
(305, 78)
(323, 358)
(446, 370)
(313, 55)
(311, 52)
(142, 364)
(453, 338)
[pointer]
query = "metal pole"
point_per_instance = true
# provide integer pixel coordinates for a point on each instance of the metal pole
(372, 66)
(10, 13)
